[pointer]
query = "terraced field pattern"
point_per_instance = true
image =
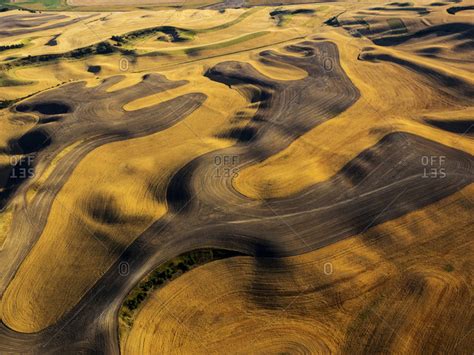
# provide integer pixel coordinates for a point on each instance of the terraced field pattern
(236, 177)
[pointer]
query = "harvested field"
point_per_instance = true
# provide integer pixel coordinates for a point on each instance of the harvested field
(273, 179)
(291, 302)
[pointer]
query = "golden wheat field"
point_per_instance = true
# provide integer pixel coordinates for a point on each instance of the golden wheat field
(236, 177)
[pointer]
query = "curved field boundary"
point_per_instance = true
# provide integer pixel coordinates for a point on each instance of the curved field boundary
(454, 85)
(151, 30)
(192, 51)
(11, 33)
(382, 183)
(79, 124)
(228, 24)
(455, 9)
(106, 48)
(342, 290)
(161, 276)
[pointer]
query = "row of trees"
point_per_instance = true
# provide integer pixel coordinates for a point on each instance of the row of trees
(176, 34)
(172, 269)
(11, 46)
(100, 48)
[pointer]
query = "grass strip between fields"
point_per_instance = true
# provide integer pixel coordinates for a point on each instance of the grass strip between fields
(192, 51)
